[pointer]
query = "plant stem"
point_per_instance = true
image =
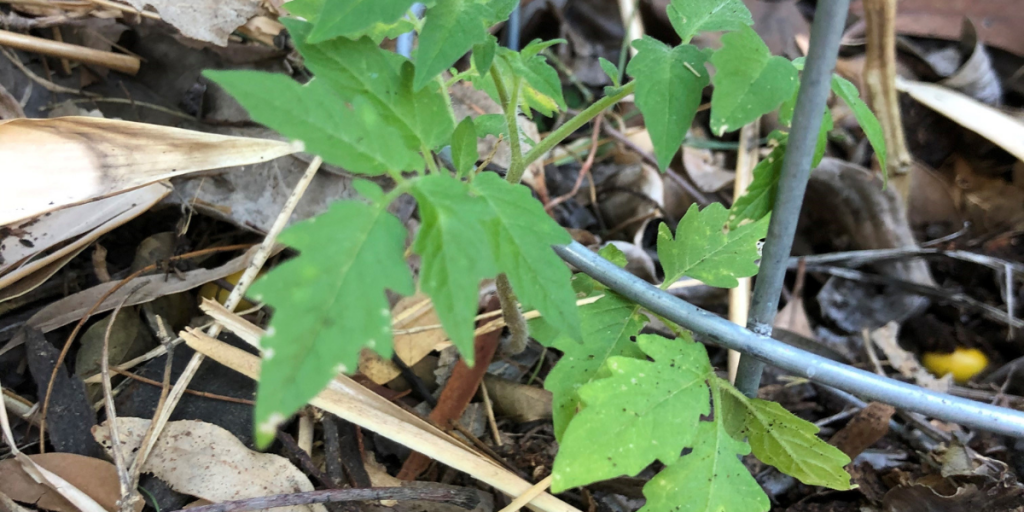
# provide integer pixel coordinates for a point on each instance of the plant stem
(576, 122)
(429, 157)
(821, 60)
(518, 330)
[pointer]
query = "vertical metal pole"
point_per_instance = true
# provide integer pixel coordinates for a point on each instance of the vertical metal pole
(513, 28)
(826, 32)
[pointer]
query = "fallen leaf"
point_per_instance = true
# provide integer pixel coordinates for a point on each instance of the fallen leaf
(206, 461)
(53, 163)
(352, 402)
(97, 478)
(998, 21)
(987, 121)
(25, 248)
(865, 429)
(210, 20)
(409, 314)
(904, 362)
(518, 402)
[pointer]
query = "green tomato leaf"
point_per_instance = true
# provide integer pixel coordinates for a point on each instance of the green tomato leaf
(689, 17)
(464, 152)
(704, 250)
(781, 439)
(329, 303)
(759, 199)
(522, 235)
(613, 254)
(865, 117)
(349, 134)
(351, 18)
(711, 478)
(822, 145)
(607, 326)
(483, 54)
(453, 243)
(491, 124)
(749, 81)
(645, 411)
(451, 29)
(610, 69)
(669, 82)
(361, 68)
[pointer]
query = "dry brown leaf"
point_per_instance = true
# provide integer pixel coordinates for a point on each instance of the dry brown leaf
(518, 402)
(906, 363)
(206, 461)
(52, 163)
(353, 402)
(793, 318)
(22, 247)
(96, 478)
(998, 21)
(987, 121)
(410, 347)
(865, 429)
(206, 20)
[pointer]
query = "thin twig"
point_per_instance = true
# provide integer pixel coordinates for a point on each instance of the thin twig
(684, 182)
(129, 496)
(99, 302)
(166, 385)
(259, 259)
(489, 409)
(461, 497)
(529, 495)
(585, 170)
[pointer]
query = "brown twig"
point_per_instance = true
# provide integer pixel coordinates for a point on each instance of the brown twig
(519, 331)
(301, 458)
(684, 182)
(85, 318)
(116, 61)
(166, 384)
(129, 496)
(463, 498)
(585, 170)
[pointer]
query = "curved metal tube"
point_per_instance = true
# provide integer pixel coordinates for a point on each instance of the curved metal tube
(726, 334)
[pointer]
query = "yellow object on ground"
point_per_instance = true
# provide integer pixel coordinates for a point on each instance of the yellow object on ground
(963, 363)
(213, 291)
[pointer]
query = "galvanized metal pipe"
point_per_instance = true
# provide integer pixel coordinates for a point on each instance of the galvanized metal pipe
(719, 331)
(826, 32)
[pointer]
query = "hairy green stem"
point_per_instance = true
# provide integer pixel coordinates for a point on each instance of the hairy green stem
(519, 333)
(575, 123)
(429, 157)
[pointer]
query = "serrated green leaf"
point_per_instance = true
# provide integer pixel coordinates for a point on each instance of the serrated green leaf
(329, 304)
(645, 411)
(749, 81)
(522, 235)
(758, 200)
(451, 29)
(483, 54)
(308, 9)
(610, 69)
(351, 18)
(613, 254)
(378, 32)
(704, 250)
(822, 145)
(361, 68)
(689, 17)
(710, 478)
(607, 326)
(464, 152)
(541, 88)
(781, 439)
(491, 124)
(453, 244)
(348, 134)
(865, 117)
(669, 82)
